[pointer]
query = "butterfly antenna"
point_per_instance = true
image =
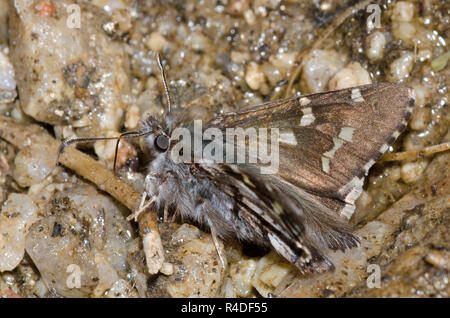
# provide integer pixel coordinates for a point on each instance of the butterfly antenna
(70, 141)
(163, 75)
(128, 134)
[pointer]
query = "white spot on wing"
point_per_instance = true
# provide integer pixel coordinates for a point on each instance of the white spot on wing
(325, 164)
(308, 117)
(348, 211)
(369, 164)
(356, 95)
(337, 144)
(384, 148)
(352, 190)
(287, 137)
(346, 133)
(396, 134)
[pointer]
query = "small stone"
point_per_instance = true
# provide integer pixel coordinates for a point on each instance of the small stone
(270, 271)
(412, 171)
(156, 42)
(404, 31)
(403, 12)
(122, 19)
(375, 45)
(33, 164)
(167, 269)
(401, 67)
(254, 76)
(241, 276)
(319, 67)
(439, 259)
(350, 76)
(420, 118)
(17, 215)
(237, 7)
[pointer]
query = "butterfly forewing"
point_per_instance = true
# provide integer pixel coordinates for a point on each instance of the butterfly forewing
(328, 141)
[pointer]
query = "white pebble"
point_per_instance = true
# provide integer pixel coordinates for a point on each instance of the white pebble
(420, 118)
(7, 81)
(17, 215)
(421, 93)
(350, 76)
(375, 45)
(132, 117)
(270, 271)
(121, 289)
(254, 76)
(412, 171)
(33, 164)
(250, 16)
(404, 31)
(156, 42)
(240, 57)
(284, 61)
(424, 55)
(199, 42)
(167, 269)
(241, 276)
(319, 67)
(401, 67)
(403, 11)
(272, 73)
(105, 149)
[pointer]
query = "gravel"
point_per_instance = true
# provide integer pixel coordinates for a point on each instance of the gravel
(219, 56)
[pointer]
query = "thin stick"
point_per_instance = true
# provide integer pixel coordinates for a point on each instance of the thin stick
(325, 34)
(21, 135)
(414, 154)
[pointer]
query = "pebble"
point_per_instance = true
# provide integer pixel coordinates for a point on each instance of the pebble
(439, 259)
(7, 81)
(33, 164)
(121, 289)
(401, 67)
(241, 274)
(420, 118)
(319, 67)
(199, 42)
(375, 45)
(350, 76)
(156, 42)
(270, 271)
(412, 171)
(254, 76)
(237, 7)
(403, 12)
(404, 31)
(17, 215)
(132, 117)
(122, 18)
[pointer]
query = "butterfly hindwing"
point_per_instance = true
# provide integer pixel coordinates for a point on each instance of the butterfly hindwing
(296, 225)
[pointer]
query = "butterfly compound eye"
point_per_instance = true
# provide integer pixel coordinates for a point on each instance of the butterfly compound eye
(162, 142)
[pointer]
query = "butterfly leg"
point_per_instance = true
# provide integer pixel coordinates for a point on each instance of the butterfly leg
(142, 207)
(219, 249)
